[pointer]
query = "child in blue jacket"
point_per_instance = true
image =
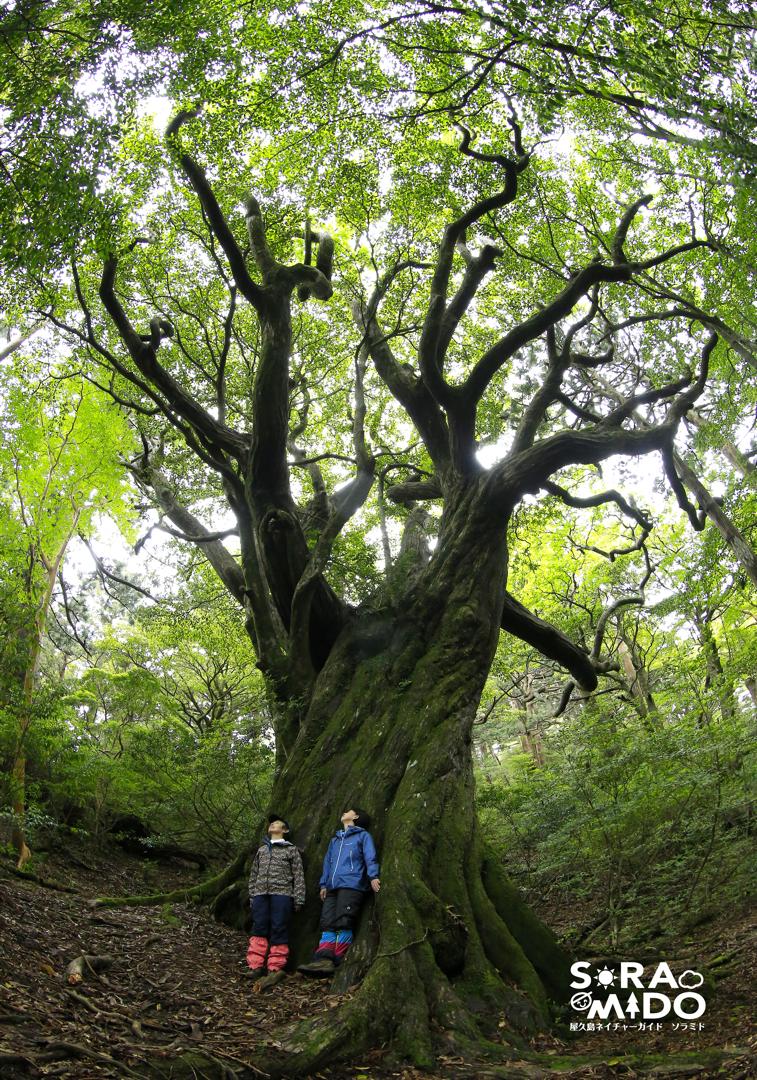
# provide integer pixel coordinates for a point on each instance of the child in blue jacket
(350, 871)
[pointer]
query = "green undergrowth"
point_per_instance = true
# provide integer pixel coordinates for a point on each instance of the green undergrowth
(647, 832)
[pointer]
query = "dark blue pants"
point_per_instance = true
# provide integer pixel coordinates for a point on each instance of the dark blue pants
(271, 914)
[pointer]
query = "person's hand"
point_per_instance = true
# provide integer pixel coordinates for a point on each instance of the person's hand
(322, 894)
(375, 884)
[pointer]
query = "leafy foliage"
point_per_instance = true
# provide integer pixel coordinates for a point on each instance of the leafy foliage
(654, 828)
(367, 329)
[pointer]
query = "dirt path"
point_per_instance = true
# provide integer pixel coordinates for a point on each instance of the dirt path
(175, 987)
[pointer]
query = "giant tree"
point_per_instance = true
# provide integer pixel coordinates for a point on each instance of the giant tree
(374, 700)
(395, 332)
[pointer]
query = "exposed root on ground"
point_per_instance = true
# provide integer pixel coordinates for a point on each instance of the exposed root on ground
(205, 892)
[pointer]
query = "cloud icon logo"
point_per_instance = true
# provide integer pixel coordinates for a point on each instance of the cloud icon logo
(580, 1002)
(690, 979)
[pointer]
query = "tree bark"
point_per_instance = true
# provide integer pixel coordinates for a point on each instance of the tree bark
(389, 728)
(530, 737)
(751, 684)
(715, 678)
(18, 764)
(375, 704)
(16, 343)
(637, 678)
(740, 461)
(741, 548)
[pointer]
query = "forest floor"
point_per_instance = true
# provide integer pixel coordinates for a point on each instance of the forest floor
(175, 987)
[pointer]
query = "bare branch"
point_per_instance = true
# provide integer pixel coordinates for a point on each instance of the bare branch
(415, 491)
(697, 519)
(305, 461)
(546, 394)
(103, 570)
(198, 538)
(315, 280)
(152, 480)
(410, 392)
(346, 503)
(436, 332)
(587, 278)
(197, 178)
(618, 254)
(256, 232)
(144, 356)
(550, 641)
(16, 343)
(477, 269)
(587, 319)
(597, 500)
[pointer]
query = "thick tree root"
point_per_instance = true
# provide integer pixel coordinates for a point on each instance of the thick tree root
(197, 1065)
(205, 892)
(46, 883)
(8, 1058)
(55, 1050)
(404, 1003)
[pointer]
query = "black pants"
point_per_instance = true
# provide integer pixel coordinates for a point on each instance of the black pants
(338, 917)
(340, 909)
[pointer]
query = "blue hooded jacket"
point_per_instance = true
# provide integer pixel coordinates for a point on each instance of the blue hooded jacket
(350, 861)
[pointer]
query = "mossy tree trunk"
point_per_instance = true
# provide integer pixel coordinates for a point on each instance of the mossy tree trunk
(389, 728)
(374, 703)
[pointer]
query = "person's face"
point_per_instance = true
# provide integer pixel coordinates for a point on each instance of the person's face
(277, 828)
(349, 817)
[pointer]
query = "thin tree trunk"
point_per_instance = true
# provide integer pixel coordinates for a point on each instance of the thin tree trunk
(638, 682)
(18, 765)
(751, 685)
(735, 540)
(740, 461)
(531, 738)
(11, 347)
(715, 677)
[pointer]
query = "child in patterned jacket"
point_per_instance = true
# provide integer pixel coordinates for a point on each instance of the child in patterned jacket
(277, 887)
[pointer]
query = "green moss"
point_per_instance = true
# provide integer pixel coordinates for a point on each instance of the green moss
(206, 890)
(168, 917)
(191, 1065)
(537, 941)
(633, 1059)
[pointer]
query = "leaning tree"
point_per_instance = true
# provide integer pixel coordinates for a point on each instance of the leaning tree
(375, 696)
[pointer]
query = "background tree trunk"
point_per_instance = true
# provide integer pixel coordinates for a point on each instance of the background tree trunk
(637, 678)
(36, 633)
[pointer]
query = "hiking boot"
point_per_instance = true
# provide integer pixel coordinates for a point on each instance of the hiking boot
(273, 978)
(253, 973)
(320, 969)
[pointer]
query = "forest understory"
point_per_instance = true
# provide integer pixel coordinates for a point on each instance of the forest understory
(173, 1001)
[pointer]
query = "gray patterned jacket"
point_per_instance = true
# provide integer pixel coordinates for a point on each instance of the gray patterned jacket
(277, 868)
